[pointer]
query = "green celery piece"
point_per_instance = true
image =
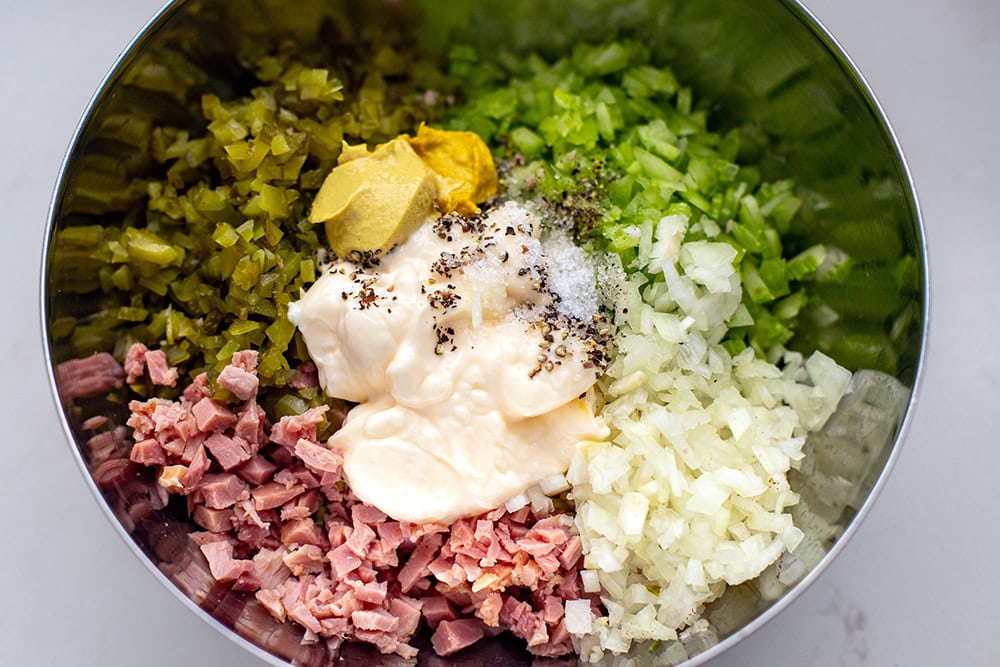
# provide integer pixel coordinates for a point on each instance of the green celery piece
(603, 59)
(529, 144)
(656, 167)
(748, 237)
(772, 272)
(753, 284)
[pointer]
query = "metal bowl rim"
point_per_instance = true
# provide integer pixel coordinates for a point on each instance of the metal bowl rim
(853, 73)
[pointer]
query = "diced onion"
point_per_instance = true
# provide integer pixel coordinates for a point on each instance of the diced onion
(689, 493)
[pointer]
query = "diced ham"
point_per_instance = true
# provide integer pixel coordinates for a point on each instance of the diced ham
(343, 561)
(139, 357)
(436, 609)
(302, 507)
(358, 575)
(489, 610)
(242, 384)
(274, 494)
(270, 567)
(407, 610)
(367, 514)
(148, 453)
(250, 425)
(245, 360)
(523, 622)
(571, 553)
(375, 619)
(318, 457)
(228, 451)
(552, 609)
(361, 539)
(559, 643)
(197, 390)
(271, 600)
(296, 475)
(188, 450)
(372, 593)
(257, 470)
(195, 472)
(385, 642)
(290, 429)
(135, 362)
(160, 371)
(216, 521)
(90, 375)
(389, 532)
(170, 478)
(306, 559)
(220, 491)
(302, 531)
(295, 607)
(416, 567)
(452, 636)
(211, 415)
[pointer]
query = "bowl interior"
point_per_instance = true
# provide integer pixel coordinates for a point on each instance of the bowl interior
(767, 67)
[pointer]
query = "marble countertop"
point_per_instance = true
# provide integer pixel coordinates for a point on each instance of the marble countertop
(913, 587)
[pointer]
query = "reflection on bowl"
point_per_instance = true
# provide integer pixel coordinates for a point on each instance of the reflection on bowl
(768, 67)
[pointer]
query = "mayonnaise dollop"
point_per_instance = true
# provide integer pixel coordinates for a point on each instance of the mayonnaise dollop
(470, 380)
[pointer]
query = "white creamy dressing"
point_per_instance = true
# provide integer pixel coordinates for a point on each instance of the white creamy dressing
(468, 377)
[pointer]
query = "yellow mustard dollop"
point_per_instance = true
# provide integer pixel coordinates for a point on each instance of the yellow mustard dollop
(374, 200)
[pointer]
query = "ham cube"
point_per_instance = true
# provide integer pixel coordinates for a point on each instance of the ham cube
(452, 636)
(228, 451)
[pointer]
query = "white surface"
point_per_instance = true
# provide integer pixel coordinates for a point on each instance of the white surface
(921, 567)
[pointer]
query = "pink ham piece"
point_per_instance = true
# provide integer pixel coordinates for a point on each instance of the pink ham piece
(375, 619)
(197, 390)
(452, 636)
(354, 574)
(220, 491)
(89, 375)
(195, 472)
(343, 561)
(245, 360)
(306, 559)
(318, 457)
(148, 453)
(302, 507)
(407, 610)
(228, 451)
(160, 371)
(242, 384)
(301, 532)
(290, 429)
(274, 494)
(216, 521)
(416, 567)
(250, 425)
(210, 415)
(139, 357)
(269, 564)
(257, 470)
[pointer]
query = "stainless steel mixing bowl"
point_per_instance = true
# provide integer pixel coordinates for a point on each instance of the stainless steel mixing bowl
(768, 65)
